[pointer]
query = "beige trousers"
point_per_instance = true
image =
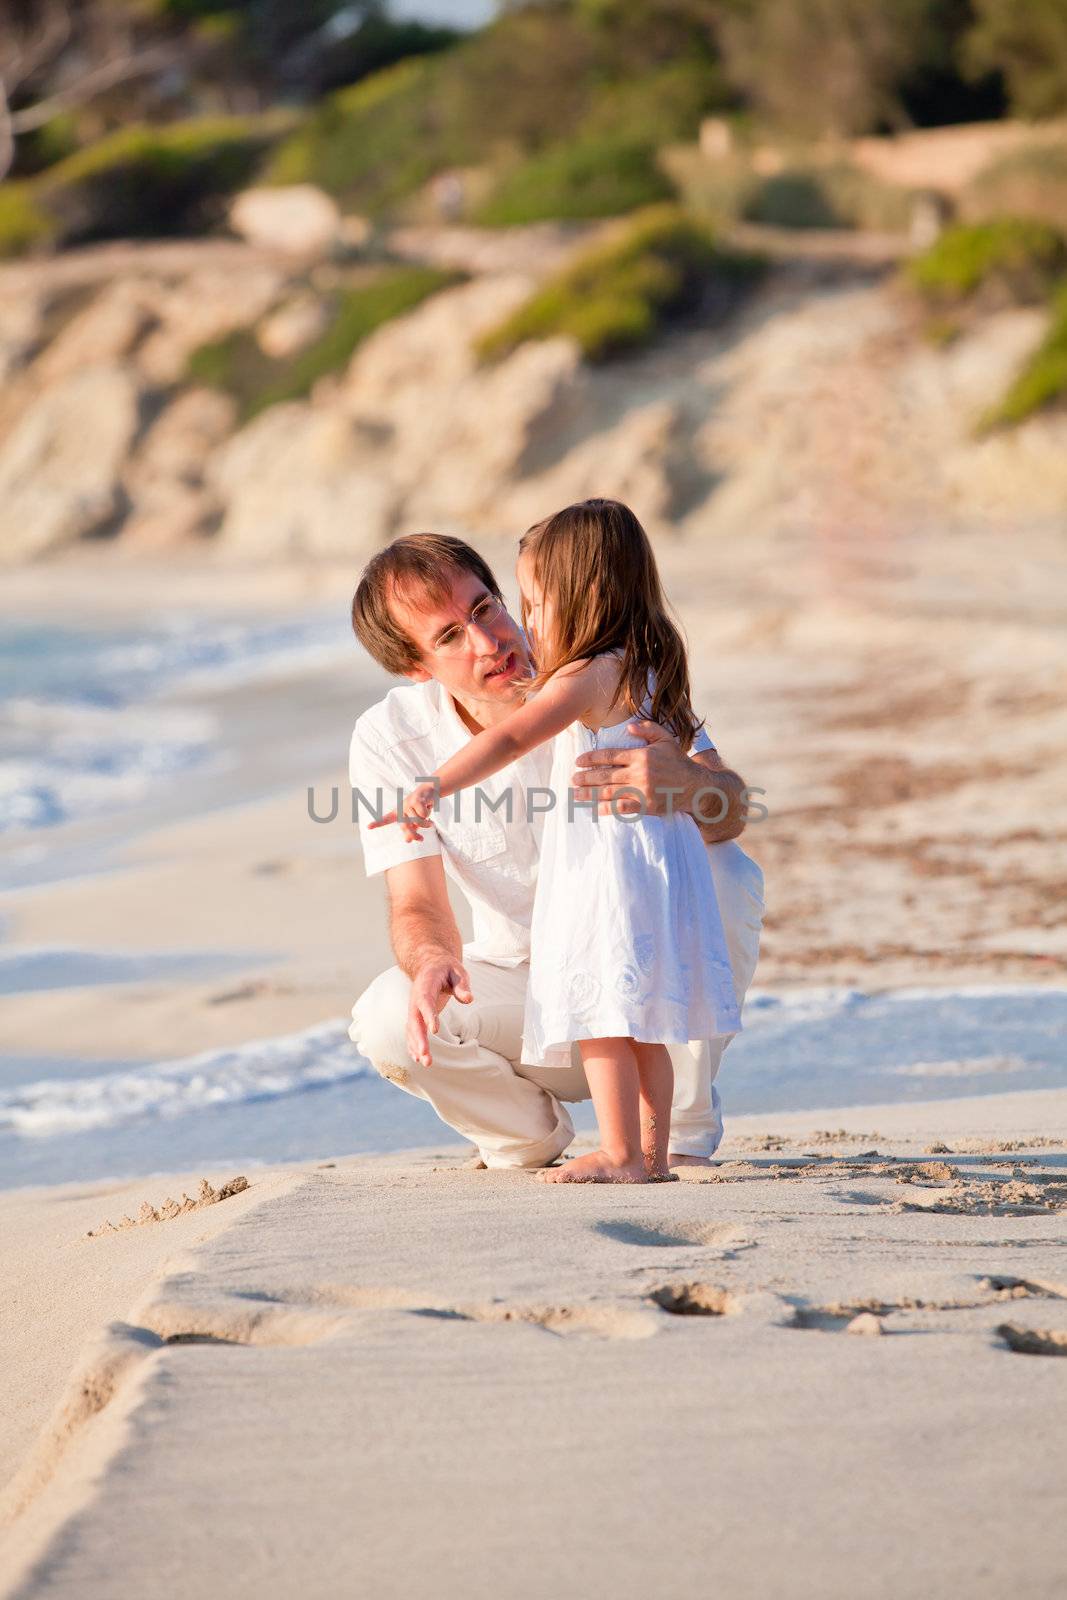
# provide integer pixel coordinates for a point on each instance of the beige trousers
(515, 1113)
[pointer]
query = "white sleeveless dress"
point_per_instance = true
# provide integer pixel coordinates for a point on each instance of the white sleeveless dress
(626, 938)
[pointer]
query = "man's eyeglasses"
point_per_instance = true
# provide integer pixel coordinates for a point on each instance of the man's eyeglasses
(485, 614)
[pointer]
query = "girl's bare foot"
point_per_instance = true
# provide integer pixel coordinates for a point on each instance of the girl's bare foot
(597, 1167)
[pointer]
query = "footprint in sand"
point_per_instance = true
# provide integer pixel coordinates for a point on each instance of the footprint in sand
(695, 1300)
(672, 1234)
(1033, 1341)
(994, 1289)
(633, 1320)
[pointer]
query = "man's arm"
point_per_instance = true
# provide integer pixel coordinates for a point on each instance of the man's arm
(726, 801)
(427, 944)
(702, 785)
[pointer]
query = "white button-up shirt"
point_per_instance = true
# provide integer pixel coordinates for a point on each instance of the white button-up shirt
(490, 854)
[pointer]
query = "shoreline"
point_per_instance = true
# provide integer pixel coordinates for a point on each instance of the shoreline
(767, 1225)
(293, 898)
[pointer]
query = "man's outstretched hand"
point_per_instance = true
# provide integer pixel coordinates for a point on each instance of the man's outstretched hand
(437, 983)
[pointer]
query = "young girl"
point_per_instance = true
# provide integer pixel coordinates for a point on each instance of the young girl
(627, 947)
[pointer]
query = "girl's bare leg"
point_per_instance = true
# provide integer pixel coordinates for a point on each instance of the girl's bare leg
(611, 1066)
(656, 1074)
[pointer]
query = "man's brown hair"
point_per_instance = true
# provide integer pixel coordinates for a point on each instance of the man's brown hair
(595, 562)
(415, 567)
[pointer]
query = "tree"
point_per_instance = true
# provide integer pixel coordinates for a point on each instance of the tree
(60, 54)
(1028, 44)
(821, 67)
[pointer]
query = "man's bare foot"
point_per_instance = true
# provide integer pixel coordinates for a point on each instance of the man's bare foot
(597, 1167)
(688, 1161)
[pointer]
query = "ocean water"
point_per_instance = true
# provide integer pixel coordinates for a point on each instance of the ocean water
(93, 720)
(107, 731)
(311, 1095)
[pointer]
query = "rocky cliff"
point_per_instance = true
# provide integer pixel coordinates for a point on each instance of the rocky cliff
(820, 403)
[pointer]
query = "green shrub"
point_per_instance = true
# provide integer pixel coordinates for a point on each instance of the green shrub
(145, 181)
(238, 365)
(595, 177)
(1026, 40)
(658, 107)
(609, 164)
(43, 147)
(863, 201)
(1042, 381)
(1031, 182)
(616, 296)
(822, 67)
(544, 85)
(371, 144)
(721, 189)
(22, 222)
(793, 200)
(820, 195)
(1014, 259)
(514, 87)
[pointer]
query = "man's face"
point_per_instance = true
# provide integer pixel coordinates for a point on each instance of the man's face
(469, 643)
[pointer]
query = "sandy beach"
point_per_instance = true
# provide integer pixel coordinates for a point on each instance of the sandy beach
(277, 285)
(392, 1371)
(824, 1356)
(489, 1388)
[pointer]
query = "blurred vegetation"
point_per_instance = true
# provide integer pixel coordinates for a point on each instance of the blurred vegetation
(238, 365)
(146, 181)
(1026, 42)
(53, 141)
(591, 177)
(663, 265)
(793, 199)
(1031, 182)
(1014, 260)
(1042, 382)
(832, 193)
(610, 164)
(314, 46)
(572, 113)
(23, 225)
(845, 67)
(75, 71)
(559, 108)
(368, 145)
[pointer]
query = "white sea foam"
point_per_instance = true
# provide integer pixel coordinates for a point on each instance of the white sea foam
(186, 650)
(83, 760)
(97, 722)
(969, 1067)
(801, 1005)
(262, 1070)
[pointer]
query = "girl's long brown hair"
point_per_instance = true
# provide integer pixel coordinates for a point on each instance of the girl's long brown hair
(595, 563)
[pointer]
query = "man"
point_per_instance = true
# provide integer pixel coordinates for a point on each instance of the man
(446, 1022)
